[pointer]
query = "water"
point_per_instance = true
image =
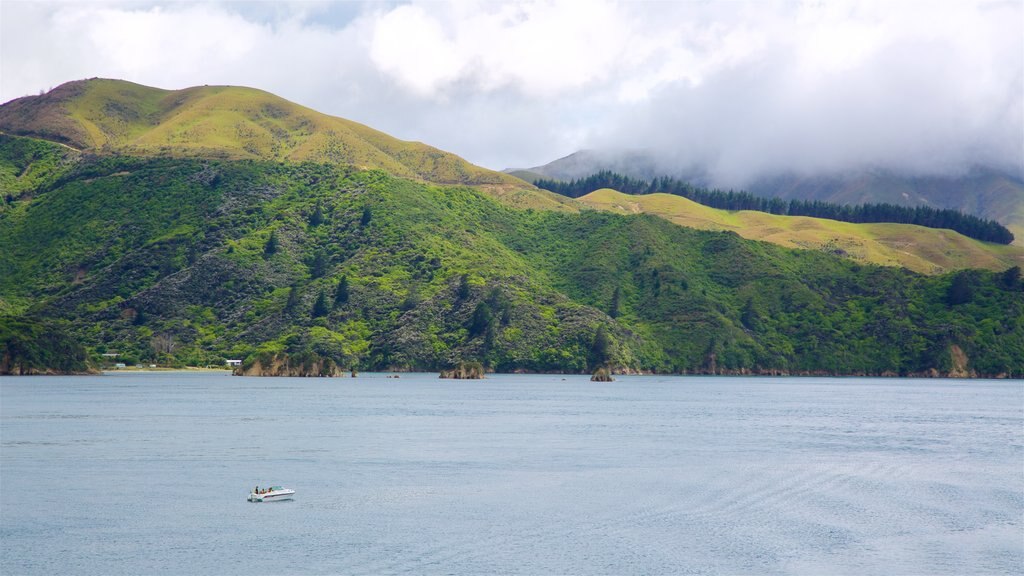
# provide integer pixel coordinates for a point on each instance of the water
(148, 474)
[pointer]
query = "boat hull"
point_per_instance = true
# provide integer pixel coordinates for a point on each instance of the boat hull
(274, 496)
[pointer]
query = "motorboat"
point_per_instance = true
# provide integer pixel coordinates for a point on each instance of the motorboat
(272, 494)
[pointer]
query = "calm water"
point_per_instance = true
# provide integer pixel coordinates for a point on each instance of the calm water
(148, 474)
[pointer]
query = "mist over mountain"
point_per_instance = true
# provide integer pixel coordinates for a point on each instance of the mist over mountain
(984, 191)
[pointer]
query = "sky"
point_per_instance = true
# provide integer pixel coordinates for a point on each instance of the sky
(740, 89)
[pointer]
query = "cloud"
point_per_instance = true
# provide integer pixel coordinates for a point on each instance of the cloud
(741, 88)
(915, 90)
(542, 49)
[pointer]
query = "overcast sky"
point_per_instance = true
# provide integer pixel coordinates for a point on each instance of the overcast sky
(742, 88)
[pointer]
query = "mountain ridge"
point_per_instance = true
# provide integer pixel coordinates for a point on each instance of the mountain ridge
(992, 193)
(231, 122)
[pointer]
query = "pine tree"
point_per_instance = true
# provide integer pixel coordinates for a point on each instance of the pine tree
(341, 294)
(320, 306)
(318, 264)
(749, 316)
(463, 291)
(613, 309)
(600, 347)
(481, 320)
(960, 290)
(270, 248)
(1011, 278)
(293, 299)
(317, 217)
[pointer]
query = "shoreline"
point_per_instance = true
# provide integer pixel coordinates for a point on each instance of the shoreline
(163, 369)
(397, 373)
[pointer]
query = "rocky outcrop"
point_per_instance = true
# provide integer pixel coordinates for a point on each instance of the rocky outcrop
(465, 371)
(602, 374)
(304, 365)
(7, 368)
(959, 361)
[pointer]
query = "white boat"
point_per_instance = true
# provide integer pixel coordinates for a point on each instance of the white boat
(271, 494)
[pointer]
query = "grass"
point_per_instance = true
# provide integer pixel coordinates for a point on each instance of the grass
(228, 122)
(925, 250)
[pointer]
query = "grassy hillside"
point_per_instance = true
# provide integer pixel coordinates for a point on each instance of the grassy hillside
(525, 175)
(180, 260)
(984, 192)
(921, 249)
(114, 116)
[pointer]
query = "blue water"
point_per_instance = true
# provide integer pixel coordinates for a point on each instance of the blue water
(148, 474)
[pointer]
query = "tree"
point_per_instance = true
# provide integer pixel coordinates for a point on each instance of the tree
(318, 264)
(270, 248)
(1011, 278)
(600, 347)
(960, 290)
(481, 320)
(463, 291)
(341, 293)
(613, 308)
(367, 216)
(749, 316)
(489, 336)
(320, 306)
(163, 344)
(293, 299)
(412, 299)
(317, 217)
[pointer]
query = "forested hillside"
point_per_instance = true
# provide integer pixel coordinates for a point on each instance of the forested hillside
(189, 261)
(966, 224)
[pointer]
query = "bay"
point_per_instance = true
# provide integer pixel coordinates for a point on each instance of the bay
(147, 473)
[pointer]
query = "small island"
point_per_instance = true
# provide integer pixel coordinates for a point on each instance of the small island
(305, 364)
(465, 371)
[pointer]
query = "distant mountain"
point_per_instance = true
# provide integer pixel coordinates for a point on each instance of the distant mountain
(190, 226)
(633, 163)
(985, 192)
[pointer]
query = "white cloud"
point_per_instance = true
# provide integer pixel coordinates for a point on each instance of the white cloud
(743, 87)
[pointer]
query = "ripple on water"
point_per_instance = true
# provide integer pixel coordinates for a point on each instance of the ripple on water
(514, 475)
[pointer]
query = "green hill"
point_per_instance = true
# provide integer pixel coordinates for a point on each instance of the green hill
(982, 191)
(118, 117)
(114, 117)
(182, 260)
(925, 250)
